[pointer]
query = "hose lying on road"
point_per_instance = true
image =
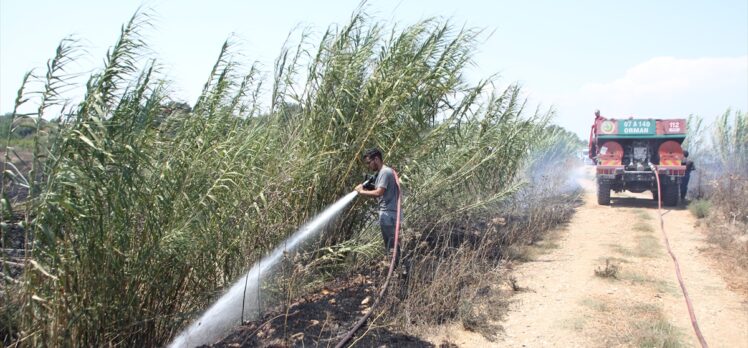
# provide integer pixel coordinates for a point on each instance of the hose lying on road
(366, 316)
(691, 313)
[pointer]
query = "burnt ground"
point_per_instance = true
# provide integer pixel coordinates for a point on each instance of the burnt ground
(322, 319)
(11, 267)
(12, 240)
(19, 165)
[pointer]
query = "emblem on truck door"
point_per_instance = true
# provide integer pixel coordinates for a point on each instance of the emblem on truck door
(607, 127)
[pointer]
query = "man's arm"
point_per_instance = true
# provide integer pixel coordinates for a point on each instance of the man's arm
(377, 192)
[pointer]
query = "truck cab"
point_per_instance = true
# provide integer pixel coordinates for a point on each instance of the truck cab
(627, 151)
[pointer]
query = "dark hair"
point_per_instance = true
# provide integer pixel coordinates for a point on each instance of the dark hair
(685, 153)
(372, 153)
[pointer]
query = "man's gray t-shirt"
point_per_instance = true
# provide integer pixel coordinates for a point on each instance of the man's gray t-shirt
(386, 180)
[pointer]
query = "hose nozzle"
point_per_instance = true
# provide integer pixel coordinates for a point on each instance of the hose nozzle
(369, 181)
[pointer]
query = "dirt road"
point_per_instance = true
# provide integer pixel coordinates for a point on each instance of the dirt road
(610, 282)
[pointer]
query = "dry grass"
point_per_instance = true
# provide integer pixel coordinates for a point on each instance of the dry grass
(729, 250)
(647, 246)
(721, 189)
(624, 251)
(596, 304)
(610, 270)
(454, 271)
(640, 279)
(643, 215)
(627, 323)
(482, 316)
(642, 226)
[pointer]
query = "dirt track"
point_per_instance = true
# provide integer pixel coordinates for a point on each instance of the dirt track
(565, 304)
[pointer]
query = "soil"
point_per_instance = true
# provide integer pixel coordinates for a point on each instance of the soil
(638, 303)
(322, 319)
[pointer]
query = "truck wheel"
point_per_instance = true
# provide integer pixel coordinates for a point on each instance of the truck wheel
(670, 195)
(603, 193)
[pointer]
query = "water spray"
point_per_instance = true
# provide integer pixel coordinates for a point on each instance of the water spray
(241, 300)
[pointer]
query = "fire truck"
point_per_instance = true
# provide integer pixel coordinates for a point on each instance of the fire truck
(628, 151)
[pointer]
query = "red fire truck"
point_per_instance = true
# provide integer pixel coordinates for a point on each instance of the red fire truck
(626, 152)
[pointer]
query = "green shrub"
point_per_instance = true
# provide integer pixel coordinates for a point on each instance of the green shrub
(700, 208)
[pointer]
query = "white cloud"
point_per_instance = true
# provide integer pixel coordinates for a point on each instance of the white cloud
(662, 87)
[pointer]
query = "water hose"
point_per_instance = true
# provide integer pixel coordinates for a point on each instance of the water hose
(691, 313)
(366, 316)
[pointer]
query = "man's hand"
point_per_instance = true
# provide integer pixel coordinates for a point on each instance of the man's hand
(359, 188)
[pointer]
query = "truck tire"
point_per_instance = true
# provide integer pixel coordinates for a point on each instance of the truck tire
(670, 195)
(603, 193)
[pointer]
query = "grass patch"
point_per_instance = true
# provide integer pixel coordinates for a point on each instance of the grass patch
(598, 305)
(647, 246)
(610, 270)
(700, 208)
(578, 324)
(642, 226)
(621, 250)
(637, 278)
(652, 329)
(643, 215)
(622, 323)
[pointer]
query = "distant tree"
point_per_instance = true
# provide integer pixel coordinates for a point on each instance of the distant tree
(22, 127)
(5, 125)
(172, 107)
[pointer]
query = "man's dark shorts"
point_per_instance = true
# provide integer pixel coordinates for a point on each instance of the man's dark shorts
(387, 221)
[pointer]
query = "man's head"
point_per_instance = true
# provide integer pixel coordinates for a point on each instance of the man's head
(373, 159)
(685, 153)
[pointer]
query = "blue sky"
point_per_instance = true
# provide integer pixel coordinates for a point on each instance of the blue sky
(627, 58)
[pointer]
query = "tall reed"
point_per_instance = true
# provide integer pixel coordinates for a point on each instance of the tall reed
(142, 212)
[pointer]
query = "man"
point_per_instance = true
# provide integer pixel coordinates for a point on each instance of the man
(684, 182)
(386, 191)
